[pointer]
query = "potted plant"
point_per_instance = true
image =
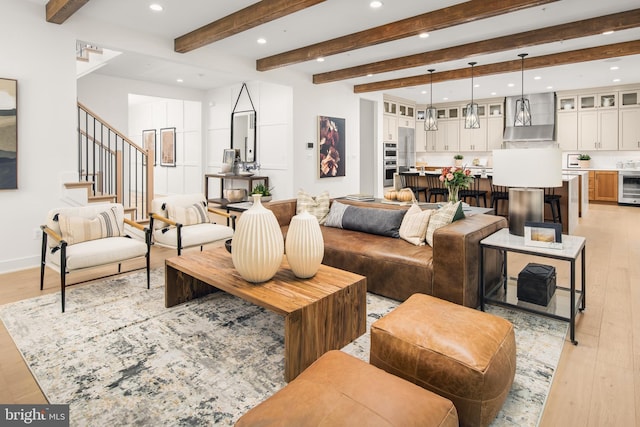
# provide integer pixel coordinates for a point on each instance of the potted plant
(584, 160)
(458, 159)
(264, 191)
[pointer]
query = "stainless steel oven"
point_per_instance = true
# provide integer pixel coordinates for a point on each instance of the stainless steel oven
(390, 151)
(390, 167)
(629, 187)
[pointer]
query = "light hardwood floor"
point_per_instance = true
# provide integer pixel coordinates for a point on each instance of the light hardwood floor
(597, 382)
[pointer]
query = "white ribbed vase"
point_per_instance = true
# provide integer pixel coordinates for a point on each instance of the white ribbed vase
(304, 245)
(257, 243)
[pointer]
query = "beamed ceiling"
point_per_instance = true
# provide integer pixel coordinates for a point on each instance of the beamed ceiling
(380, 50)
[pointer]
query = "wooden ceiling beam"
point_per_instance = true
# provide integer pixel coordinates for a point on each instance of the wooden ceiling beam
(443, 18)
(588, 27)
(58, 11)
(553, 60)
(242, 20)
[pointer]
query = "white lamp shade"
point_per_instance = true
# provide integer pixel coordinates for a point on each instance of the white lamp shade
(527, 167)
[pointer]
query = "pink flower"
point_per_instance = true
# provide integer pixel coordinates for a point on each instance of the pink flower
(442, 178)
(449, 176)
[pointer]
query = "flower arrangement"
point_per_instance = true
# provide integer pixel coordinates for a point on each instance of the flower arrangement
(454, 179)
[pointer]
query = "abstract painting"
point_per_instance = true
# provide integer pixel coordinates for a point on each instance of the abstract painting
(168, 147)
(8, 134)
(331, 143)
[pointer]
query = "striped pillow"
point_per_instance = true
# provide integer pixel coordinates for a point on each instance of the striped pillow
(317, 206)
(414, 225)
(190, 215)
(77, 229)
(443, 216)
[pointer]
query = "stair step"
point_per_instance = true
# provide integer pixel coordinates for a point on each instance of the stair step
(102, 198)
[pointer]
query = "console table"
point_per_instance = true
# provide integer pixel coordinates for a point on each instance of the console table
(249, 179)
(565, 303)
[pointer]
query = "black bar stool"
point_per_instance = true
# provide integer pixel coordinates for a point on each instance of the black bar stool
(474, 192)
(410, 180)
(553, 200)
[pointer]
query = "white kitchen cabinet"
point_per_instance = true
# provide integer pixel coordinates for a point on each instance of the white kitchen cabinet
(431, 139)
(474, 139)
(390, 127)
(629, 126)
(629, 98)
(598, 129)
(390, 107)
(495, 126)
(421, 137)
(567, 129)
(405, 122)
(599, 101)
(568, 103)
(447, 135)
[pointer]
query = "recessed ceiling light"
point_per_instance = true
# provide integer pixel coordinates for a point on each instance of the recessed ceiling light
(375, 4)
(179, 80)
(614, 68)
(616, 80)
(320, 59)
(261, 41)
(606, 33)
(445, 99)
(537, 78)
(156, 7)
(476, 85)
(424, 92)
(510, 85)
(493, 93)
(549, 87)
(423, 35)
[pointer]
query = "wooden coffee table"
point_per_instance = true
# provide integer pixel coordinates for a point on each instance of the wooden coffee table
(325, 312)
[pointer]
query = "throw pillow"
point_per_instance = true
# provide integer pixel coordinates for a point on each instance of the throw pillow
(414, 225)
(384, 222)
(317, 206)
(440, 218)
(189, 215)
(77, 229)
(334, 218)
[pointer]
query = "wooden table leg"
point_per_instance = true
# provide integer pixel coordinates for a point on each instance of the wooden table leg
(179, 287)
(328, 324)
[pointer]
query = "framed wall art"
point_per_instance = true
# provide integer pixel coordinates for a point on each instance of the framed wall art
(8, 134)
(149, 142)
(168, 147)
(572, 161)
(332, 144)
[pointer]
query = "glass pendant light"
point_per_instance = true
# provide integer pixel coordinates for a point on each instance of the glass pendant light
(471, 120)
(523, 110)
(430, 122)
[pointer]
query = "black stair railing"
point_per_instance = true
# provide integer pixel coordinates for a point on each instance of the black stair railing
(115, 165)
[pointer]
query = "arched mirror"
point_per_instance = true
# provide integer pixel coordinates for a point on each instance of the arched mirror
(243, 126)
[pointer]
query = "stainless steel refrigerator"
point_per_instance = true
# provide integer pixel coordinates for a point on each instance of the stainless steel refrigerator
(406, 147)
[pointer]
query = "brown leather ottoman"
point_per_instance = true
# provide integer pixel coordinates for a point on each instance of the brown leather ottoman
(457, 352)
(340, 390)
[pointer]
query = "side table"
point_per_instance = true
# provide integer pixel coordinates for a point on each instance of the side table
(565, 303)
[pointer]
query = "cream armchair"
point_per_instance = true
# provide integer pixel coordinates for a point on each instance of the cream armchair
(78, 238)
(182, 221)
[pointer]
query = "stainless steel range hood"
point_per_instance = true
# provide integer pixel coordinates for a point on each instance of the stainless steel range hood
(543, 113)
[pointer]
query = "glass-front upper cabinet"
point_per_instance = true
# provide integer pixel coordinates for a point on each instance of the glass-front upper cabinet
(495, 110)
(447, 113)
(629, 98)
(601, 100)
(567, 103)
(482, 111)
(390, 107)
(406, 111)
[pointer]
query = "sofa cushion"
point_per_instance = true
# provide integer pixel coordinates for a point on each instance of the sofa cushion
(414, 225)
(384, 222)
(317, 206)
(334, 218)
(100, 252)
(77, 229)
(195, 213)
(443, 216)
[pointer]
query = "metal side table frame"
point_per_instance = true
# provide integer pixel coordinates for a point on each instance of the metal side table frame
(573, 247)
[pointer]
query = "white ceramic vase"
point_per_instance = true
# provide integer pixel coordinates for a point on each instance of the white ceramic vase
(258, 245)
(304, 245)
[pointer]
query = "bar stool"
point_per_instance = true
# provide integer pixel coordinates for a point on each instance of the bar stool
(436, 188)
(498, 192)
(474, 192)
(410, 180)
(553, 200)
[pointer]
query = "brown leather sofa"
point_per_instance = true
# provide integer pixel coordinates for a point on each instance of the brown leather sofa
(397, 269)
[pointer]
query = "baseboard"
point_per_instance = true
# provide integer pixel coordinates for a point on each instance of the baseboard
(17, 264)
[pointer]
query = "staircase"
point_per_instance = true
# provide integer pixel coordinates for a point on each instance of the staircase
(111, 167)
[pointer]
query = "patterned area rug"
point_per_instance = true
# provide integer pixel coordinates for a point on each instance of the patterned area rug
(118, 357)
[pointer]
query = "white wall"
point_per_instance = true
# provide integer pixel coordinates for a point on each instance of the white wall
(46, 124)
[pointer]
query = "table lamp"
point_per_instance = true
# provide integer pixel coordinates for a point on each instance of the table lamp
(526, 171)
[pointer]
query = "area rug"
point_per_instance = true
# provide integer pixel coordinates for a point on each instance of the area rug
(119, 357)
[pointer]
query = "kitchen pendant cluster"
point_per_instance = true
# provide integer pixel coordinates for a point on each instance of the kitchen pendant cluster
(430, 121)
(523, 110)
(471, 119)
